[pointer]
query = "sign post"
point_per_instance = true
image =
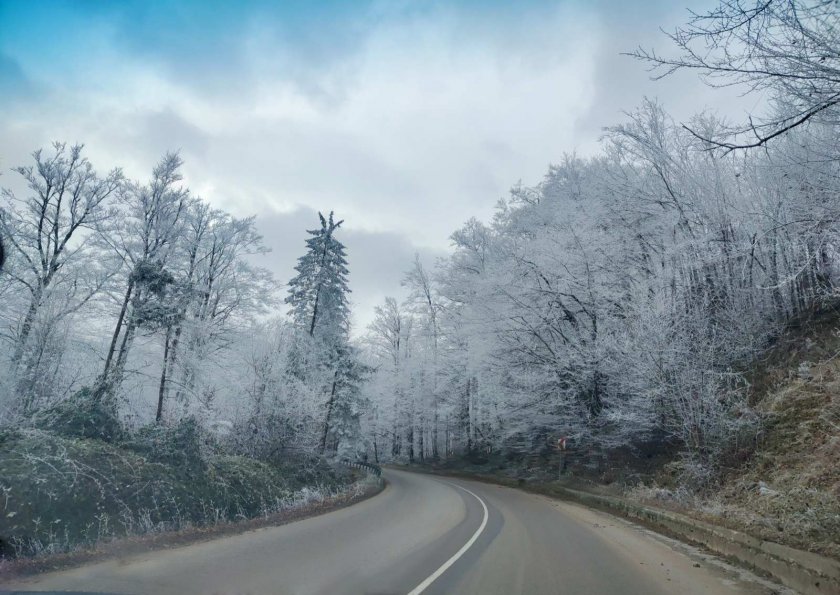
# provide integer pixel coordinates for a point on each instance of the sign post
(561, 446)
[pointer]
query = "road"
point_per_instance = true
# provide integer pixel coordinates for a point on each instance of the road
(423, 534)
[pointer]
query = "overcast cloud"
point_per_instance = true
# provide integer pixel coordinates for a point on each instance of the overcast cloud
(405, 118)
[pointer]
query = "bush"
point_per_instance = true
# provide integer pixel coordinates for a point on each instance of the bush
(183, 446)
(83, 415)
(62, 491)
(308, 470)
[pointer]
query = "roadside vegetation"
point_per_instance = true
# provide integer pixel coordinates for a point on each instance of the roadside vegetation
(62, 488)
(786, 486)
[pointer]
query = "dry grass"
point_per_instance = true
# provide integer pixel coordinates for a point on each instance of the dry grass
(788, 489)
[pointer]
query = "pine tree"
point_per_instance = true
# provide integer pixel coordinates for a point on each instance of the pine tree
(318, 293)
(321, 311)
(345, 403)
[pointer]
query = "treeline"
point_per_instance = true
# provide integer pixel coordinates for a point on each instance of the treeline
(624, 297)
(132, 303)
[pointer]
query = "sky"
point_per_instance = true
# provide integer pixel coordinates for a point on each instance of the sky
(406, 117)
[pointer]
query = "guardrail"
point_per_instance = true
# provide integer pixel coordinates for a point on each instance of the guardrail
(369, 467)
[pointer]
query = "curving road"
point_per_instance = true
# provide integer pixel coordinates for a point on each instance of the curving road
(423, 534)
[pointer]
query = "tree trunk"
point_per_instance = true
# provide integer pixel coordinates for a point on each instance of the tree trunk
(162, 387)
(467, 416)
(117, 330)
(173, 357)
(421, 446)
(122, 355)
(26, 327)
(409, 438)
(435, 421)
(115, 377)
(447, 438)
(330, 404)
(315, 312)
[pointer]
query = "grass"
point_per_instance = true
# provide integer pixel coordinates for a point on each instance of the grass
(58, 493)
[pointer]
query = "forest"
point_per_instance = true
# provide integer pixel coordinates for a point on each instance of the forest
(624, 298)
(620, 301)
(115, 287)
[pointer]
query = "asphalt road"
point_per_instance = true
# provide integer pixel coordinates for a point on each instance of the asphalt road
(423, 534)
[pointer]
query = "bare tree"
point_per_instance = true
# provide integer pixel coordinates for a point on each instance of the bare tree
(50, 234)
(144, 241)
(423, 297)
(787, 48)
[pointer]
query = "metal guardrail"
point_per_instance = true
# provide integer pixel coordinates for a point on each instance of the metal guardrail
(369, 467)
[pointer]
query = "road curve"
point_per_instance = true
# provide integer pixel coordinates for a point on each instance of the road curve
(422, 534)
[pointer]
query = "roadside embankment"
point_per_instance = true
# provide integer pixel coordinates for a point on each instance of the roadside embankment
(65, 501)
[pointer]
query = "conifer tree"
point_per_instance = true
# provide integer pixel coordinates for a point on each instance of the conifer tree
(318, 293)
(321, 311)
(345, 403)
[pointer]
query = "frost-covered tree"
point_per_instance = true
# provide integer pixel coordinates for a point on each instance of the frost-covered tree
(145, 239)
(323, 355)
(218, 291)
(388, 419)
(619, 300)
(318, 294)
(341, 428)
(424, 301)
(51, 234)
(786, 48)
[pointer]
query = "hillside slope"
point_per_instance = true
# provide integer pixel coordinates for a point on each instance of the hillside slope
(786, 486)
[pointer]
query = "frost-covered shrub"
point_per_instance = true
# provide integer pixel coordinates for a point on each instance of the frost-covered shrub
(57, 493)
(184, 445)
(695, 472)
(309, 470)
(83, 415)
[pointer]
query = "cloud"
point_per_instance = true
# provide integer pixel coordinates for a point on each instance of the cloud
(406, 118)
(621, 82)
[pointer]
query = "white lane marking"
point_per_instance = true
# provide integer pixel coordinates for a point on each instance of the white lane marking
(434, 576)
